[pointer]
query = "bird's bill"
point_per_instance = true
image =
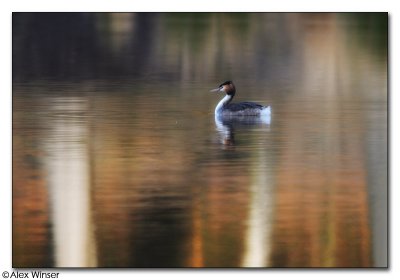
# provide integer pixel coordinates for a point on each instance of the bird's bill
(215, 90)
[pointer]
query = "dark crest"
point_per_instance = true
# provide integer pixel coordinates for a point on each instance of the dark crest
(225, 83)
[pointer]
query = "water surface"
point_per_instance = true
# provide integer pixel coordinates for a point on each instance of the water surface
(119, 161)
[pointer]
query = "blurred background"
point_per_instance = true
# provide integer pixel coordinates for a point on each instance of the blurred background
(118, 160)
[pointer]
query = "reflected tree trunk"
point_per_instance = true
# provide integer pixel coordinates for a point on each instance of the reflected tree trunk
(67, 165)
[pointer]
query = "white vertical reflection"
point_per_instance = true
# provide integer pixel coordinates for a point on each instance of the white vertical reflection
(67, 165)
(260, 220)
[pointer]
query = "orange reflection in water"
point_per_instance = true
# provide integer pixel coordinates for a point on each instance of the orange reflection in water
(132, 175)
(31, 246)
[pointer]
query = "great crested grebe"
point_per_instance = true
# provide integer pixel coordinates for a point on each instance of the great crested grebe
(225, 108)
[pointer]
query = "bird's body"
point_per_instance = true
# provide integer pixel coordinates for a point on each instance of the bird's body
(226, 108)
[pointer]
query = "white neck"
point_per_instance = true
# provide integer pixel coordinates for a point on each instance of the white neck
(222, 103)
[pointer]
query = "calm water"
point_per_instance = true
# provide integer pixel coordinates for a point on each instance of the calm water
(119, 161)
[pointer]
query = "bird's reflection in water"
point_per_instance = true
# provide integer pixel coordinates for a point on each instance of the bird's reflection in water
(226, 126)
